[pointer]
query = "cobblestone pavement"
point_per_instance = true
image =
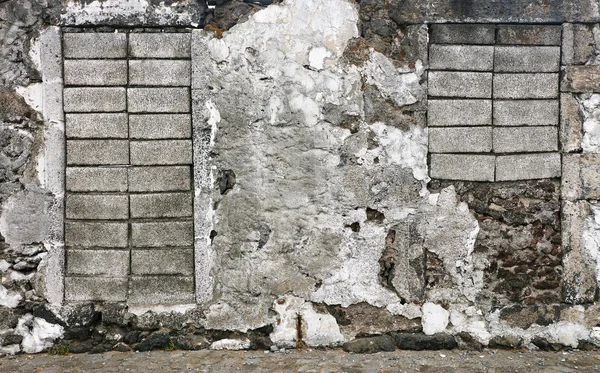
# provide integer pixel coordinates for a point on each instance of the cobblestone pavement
(308, 361)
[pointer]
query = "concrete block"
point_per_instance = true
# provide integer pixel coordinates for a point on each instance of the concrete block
(461, 57)
(525, 139)
(161, 290)
(97, 206)
(161, 152)
(460, 84)
(581, 79)
(159, 45)
(160, 178)
(95, 45)
(459, 113)
(100, 125)
(158, 100)
(518, 86)
(160, 72)
(89, 100)
(529, 34)
(97, 152)
(96, 179)
(96, 234)
(578, 45)
(158, 234)
(460, 140)
(161, 205)
(160, 126)
(79, 289)
(470, 167)
(528, 166)
(526, 59)
(162, 262)
(462, 34)
(101, 263)
(526, 113)
(580, 177)
(95, 72)
(571, 124)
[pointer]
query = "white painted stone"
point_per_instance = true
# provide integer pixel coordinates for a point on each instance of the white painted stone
(8, 298)
(4, 265)
(10, 349)
(231, 344)
(38, 334)
(435, 318)
(590, 108)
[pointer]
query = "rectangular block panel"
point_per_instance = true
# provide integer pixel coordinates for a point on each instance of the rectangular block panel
(462, 34)
(161, 205)
(79, 289)
(519, 86)
(158, 100)
(97, 206)
(94, 100)
(571, 124)
(101, 125)
(172, 45)
(460, 84)
(161, 152)
(158, 234)
(461, 57)
(95, 72)
(462, 167)
(581, 79)
(100, 263)
(529, 34)
(160, 72)
(161, 290)
(160, 178)
(528, 166)
(526, 113)
(526, 59)
(160, 126)
(95, 45)
(97, 152)
(96, 179)
(460, 140)
(459, 113)
(96, 234)
(525, 139)
(163, 262)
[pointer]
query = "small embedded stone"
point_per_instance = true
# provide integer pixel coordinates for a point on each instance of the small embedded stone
(370, 345)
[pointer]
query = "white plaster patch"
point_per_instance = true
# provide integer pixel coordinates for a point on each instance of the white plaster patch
(179, 308)
(435, 318)
(317, 57)
(231, 344)
(590, 107)
(8, 298)
(469, 319)
(33, 95)
(10, 349)
(591, 238)
(567, 333)
(38, 334)
(4, 265)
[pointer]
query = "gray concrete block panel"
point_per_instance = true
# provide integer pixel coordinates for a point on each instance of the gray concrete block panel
(161, 205)
(96, 125)
(97, 99)
(100, 263)
(161, 152)
(160, 72)
(158, 100)
(96, 234)
(96, 179)
(461, 57)
(520, 86)
(97, 206)
(525, 139)
(528, 166)
(159, 178)
(159, 45)
(526, 113)
(95, 45)
(460, 84)
(526, 59)
(162, 262)
(460, 140)
(158, 234)
(529, 34)
(79, 289)
(462, 34)
(471, 167)
(160, 126)
(95, 72)
(97, 152)
(161, 290)
(459, 113)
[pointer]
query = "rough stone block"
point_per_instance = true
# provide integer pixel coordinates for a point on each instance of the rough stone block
(528, 166)
(95, 45)
(97, 152)
(158, 100)
(161, 205)
(525, 139)
(571, 124)
(419, 341)
(578, 46)
(581, 177)
(460, 140)
(95, 72)
(459, 113)
(160, 72)
(526, 85)
(88, 100)
(101, 125)
(96, 179)
(156, 179)
(529, 34)
(461, 57)
(96, 234)
(97, 206)
(581, 79)
(462, 167)
(158, 234)
(526, 113)
(160, 126)
(460, 84)
(101, 263)
(161, 152)
(159, 45)
(161, 290)
(162, 262)
(526, 59)
(79, 289)
(462, 34)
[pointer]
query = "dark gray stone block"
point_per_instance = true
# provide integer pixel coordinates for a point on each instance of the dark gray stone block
(460, 140)
(161, 290)
(163, 262)
(94, 100)
(96, 179)
(160, 178)
(96, 234)
(158, 100)
(473, 167)
(79, 289)
(160, 72)
(525, 139)
(97, 152)
(528, 166)
(97, 206)
(161, 152)
(95, 72)
(94, 45)
(97, 125)
(159, 45)
(159, 234)
(161, 205)
(160, 126)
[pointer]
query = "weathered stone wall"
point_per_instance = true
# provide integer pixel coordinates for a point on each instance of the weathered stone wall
(381, 169)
